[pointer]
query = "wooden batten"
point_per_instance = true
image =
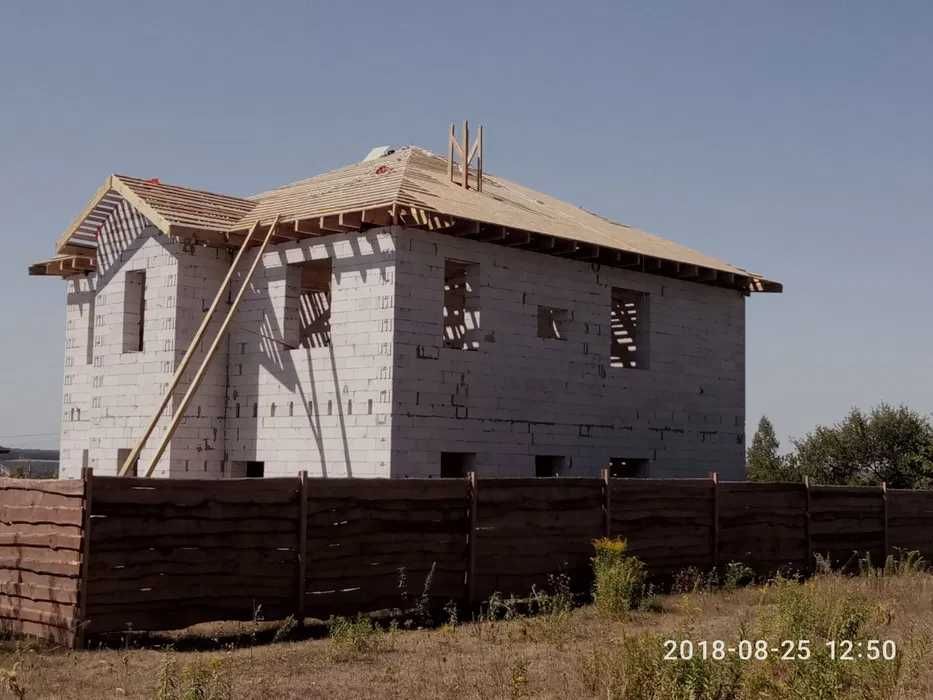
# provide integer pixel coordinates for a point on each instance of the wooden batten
(518, 239)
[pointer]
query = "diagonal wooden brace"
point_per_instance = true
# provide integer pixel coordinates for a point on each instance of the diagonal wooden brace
(199, 375)
(189, 353)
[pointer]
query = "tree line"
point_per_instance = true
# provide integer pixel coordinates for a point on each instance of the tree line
(886, 444)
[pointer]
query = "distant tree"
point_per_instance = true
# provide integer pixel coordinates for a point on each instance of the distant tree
(889, 444)
(764, 463)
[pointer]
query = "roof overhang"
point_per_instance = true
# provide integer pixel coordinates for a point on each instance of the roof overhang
(63, 266)
(222, 221)
(82, 233)
(430, 220)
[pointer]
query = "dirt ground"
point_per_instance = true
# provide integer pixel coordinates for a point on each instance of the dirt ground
(564, 654)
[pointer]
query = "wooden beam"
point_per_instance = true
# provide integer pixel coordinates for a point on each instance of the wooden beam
(586, 252)
(308, 227)
(208, 356)
(492, 234)
(466, 229)
(370, 218)
(451, 142)
(565, 247)
(466, 162)
(688, 272)
(140, 204)
(99, 195)
(331, 224)
(479, 162)
(73, 249)
(352, 220)
(620, 258)
(518, 239)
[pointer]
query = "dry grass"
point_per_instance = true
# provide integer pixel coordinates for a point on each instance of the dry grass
(561, 653)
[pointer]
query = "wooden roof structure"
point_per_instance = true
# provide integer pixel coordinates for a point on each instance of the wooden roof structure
(410, 187)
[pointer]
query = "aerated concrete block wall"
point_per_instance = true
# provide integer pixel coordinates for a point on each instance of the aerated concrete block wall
(199, 444)
(327, 409)
(385, 397)
(117, 391)
(520, 395)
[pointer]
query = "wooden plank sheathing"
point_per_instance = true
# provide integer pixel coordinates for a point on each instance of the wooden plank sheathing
(529, 530)
(163, 544)
(667, 523)
(363, 533)
(763, 525)
(40, 556)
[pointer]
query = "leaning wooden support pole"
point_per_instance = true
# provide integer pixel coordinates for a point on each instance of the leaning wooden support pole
(189, 353)
(199, 375)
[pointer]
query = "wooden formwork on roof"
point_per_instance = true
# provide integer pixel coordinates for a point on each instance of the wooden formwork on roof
(413, 188)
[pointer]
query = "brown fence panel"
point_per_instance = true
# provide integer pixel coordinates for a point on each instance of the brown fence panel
(667, 523)
(763, 525)
(372, 543)
(846, 522)
(167, 554)
(40, 557)
(910, 521)
(528, 529)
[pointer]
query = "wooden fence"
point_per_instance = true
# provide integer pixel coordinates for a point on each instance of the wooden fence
(42, 546)
(103, 554)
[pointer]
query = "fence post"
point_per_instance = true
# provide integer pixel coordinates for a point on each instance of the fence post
(715, 545)
(806, 522)
(472, 488)
(87, 476)
(607, 505)
(884, 515)
(302, 544)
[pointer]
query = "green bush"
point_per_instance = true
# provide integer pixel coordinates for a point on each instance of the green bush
(620, 579)
(354, 636)
(198, 680)
(737, 575)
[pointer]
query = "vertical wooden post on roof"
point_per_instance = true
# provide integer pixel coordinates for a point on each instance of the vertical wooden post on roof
(133, 456)
(466, 157)
(607, 504)
(884, 516)
(87, 477)
(715, 533)
(467, 154)
(479, 162)
(199, 375)
(302, 544)
(807, 524)
(472, 501)
(451, 141)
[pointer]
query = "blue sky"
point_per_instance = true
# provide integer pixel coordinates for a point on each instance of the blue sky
(793, 139)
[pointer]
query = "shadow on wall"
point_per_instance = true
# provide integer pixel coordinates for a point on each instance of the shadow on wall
(278, 357)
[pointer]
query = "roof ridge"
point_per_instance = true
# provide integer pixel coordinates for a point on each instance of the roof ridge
(157, 182)
(400, 151)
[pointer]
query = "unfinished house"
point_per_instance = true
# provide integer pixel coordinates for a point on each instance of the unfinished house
(406, 316)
